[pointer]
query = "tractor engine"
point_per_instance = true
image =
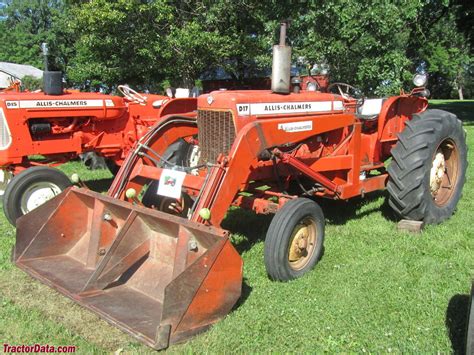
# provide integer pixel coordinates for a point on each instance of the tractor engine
(222, 114)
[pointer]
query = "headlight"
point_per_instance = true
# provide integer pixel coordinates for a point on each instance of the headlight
(311, 86)
(324, 69)
(315, 69)
(420, 80)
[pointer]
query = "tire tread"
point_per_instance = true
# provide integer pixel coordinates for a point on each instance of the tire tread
(411, 155)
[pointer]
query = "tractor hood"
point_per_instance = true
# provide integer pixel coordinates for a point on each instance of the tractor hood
(75, 103)
(96, 105)
(259, 104)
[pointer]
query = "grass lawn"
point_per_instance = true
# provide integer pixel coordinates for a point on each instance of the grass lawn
(375, 289)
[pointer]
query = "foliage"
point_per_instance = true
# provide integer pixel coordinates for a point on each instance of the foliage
(119, 42)
(27, 24)
(143, 43)
(445, 49)
(31, 83)
(373, 45)
(379, 49)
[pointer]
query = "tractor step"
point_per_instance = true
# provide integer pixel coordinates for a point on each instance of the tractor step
(157, 277)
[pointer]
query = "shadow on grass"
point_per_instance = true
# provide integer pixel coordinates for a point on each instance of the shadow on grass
(99, 185)
(456, 322)
(246, 291)
(339, 212)
(462, 109)
(248, 228)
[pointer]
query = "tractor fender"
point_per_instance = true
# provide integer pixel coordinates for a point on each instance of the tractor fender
(395, 111)
(180, 105)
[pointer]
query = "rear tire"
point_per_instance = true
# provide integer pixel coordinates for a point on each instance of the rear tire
(179, 154)
(112, 166)
(93, 161)
(166, 204)
(30, 189)
(427, 173)
(294, 241)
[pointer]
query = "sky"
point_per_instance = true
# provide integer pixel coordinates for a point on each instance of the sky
(2, 5)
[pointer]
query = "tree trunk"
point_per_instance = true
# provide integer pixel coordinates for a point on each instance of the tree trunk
(461, 96)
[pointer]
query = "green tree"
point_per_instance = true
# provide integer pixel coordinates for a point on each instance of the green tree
(24, 25)
(144, 43)
(375, 45)
(31, 83)
(364, 42)
(119, 42)
(440, 40)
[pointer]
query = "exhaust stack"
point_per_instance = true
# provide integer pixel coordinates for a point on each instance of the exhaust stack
(281, 67)
(52, 80)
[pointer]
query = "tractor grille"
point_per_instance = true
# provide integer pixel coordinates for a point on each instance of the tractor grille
(216, 134)
(5, 136)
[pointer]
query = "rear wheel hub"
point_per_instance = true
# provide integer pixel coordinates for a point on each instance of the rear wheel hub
(444, 172)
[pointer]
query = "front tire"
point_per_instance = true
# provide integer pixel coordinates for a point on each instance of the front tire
(427, 173)
(294, 241)
(30, 189)
(93, 161)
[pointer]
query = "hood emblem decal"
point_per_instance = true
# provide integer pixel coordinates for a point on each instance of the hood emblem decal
(210, 99)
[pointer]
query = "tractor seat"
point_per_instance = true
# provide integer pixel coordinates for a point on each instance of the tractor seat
(370, 109)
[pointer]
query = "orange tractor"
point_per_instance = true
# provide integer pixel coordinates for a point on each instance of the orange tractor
(151, 257)
(61, 127)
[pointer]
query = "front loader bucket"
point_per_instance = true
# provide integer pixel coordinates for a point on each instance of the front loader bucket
(158, 277)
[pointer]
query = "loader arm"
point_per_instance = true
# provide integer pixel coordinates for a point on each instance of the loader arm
(224, 180)
(252, 140)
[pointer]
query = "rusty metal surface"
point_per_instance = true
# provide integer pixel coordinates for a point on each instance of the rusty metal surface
(216, 133)
(131, 265)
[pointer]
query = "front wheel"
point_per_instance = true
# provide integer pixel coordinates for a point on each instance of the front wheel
(32, 188)
(294, 241)
(428, 169)
(5, 177)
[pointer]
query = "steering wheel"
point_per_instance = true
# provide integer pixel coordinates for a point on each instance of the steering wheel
(348, 92)
(131, 94)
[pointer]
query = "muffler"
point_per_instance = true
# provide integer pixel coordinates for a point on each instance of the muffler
(281, 64)
(158, 277)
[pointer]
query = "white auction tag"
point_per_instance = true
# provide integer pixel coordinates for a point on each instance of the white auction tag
(170, 183)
